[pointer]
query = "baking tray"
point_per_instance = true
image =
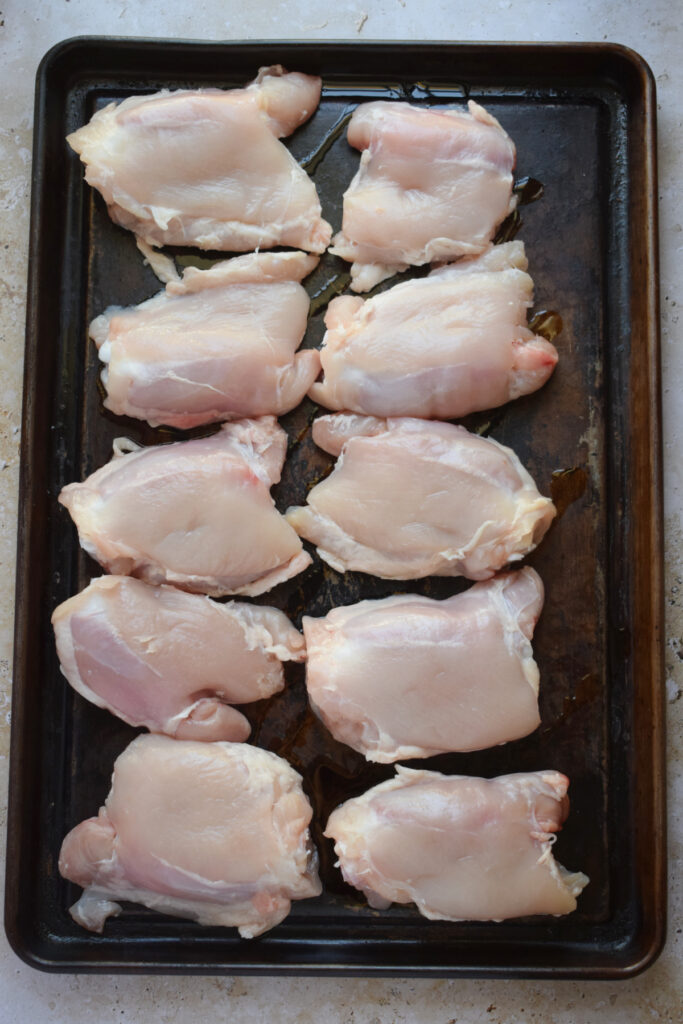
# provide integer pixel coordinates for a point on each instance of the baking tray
(583, 119)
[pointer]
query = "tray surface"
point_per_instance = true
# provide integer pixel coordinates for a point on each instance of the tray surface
(582, 120)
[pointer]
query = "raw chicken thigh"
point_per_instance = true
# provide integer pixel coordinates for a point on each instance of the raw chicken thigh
(218, 344)
(197, 514)
(462, 849)
(411, 498)
(205, 168)
(217, 832)
(433, 184)
(411, 677)
(171, 661)
(440, 346)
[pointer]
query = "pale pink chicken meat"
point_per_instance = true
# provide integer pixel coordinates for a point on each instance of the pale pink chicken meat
(433, 184)
(218, 344)
(408, 676)
(215, 832)
(410, 498)
(197, 514)
(461, 849)
(171, 661)
(206, 168)
(437, 347)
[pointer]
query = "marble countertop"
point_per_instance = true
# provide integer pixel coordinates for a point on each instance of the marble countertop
(27, 31)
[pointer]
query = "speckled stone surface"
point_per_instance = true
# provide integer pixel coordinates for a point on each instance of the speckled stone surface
(654, 29)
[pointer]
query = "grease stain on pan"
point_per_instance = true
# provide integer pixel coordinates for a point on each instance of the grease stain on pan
(567, 486)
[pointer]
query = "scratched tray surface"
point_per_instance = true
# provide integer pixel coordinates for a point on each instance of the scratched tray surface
(573, 437)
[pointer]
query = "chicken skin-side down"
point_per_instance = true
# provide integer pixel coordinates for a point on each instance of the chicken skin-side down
(197, 514)
(215, 832)
(440, 346)
(217, 344)
(461, 849)
(206, 168)
(408, 676)
(171, 661)
(410, 498)
(433, 184)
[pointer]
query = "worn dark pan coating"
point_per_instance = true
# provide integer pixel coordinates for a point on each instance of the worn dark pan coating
(582, 117)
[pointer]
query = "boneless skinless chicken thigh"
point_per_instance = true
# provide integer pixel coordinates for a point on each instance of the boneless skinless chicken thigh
(217, 832)
(197, 514)
(462, 849)
(410, 498)
(440, 346)
(171, 661)
(433, 184)
(409, 677)
(205, 168)
(219, 344)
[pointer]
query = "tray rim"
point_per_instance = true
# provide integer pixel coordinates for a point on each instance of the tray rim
(653, 930)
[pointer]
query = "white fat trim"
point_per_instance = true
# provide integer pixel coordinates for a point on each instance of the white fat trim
(124, 446)
(163, 266)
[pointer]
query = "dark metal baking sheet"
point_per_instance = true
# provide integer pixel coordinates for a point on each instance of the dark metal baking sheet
(582, 117)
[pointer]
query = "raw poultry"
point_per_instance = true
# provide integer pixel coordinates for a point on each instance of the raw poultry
(410, 498)
(171, 661)
(206, 168)
(197, 514)
(217, 344)
(438, 347)
(407, 676)
(217, 832)
(433, 184)
(461, 849)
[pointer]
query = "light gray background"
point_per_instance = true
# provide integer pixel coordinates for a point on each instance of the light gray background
(26, 33)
